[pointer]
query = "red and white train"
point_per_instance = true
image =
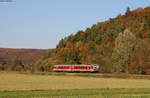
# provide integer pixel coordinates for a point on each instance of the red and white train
(75, 68)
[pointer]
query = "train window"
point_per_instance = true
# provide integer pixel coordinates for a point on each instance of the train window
(55, 67)
(95, 67)
(67, 67)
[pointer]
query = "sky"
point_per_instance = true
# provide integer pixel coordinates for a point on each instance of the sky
(42, 23)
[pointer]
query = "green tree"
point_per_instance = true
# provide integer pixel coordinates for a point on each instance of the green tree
(48, 54)
(148, 35)
(17, 65)
(127, 10)
(3, 65)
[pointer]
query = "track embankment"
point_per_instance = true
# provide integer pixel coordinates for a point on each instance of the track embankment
(96, 75)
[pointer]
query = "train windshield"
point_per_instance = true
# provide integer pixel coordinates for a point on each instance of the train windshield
(96, 67)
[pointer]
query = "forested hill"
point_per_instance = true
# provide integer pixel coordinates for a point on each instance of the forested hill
(108, 44)
(8, 55)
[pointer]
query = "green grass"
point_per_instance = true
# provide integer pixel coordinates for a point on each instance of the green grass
(79, 93)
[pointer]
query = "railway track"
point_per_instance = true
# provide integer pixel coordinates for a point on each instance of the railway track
(96, 75)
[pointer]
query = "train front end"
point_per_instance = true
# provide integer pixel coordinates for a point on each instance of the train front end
(95, 68)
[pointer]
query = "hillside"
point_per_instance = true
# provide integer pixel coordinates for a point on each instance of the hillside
(26, 55)
(108, 44)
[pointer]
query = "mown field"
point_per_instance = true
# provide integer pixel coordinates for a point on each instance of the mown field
(31, 86)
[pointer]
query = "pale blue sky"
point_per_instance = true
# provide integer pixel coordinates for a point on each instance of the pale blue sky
(42, 23)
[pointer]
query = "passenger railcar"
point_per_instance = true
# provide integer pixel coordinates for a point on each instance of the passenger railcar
(75, 68)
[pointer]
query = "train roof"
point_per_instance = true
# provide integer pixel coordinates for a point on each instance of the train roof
(77, 65)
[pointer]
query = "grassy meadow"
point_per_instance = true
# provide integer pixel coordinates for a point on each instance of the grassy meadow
(29, 86)
(79, 93)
